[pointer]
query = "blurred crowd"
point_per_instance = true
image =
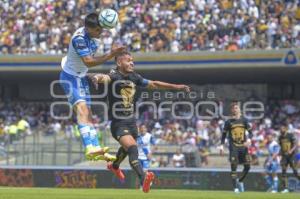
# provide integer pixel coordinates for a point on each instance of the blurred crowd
(193, 136)
(40, 26)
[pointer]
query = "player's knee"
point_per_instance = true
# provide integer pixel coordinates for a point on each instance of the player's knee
(132, 153)
(233, 174)
(283, 169)
(83, 111)
(233, 166)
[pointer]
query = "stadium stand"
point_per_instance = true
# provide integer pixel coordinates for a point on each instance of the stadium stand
(46, 26)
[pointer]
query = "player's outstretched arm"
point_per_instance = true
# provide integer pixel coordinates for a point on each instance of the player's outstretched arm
(165, 85)
(98, 78)
(91, 61)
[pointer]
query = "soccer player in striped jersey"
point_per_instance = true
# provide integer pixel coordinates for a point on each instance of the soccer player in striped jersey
(80, 57)
(145, 142)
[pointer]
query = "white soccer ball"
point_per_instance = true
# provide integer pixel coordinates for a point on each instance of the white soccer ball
(108, 18)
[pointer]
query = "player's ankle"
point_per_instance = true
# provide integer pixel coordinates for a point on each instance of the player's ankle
(115, 166)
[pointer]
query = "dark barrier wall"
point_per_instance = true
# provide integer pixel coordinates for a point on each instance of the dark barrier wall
(166, 179)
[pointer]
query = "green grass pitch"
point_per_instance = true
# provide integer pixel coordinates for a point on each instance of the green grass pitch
(60, 193)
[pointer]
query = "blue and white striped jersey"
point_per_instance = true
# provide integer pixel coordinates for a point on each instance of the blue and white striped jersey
(81, 45)
(144, 145)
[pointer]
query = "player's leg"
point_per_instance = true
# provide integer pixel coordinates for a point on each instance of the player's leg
(234, 177)
(115, 166)
(69, 84)
(284, 177)
(275, 183)
(146, 178)
(118, 131)
(269, 181)
(121, 155)
(267, 176)
(233, 157)
(245, 159)
(89, 134)
(293, 166)
(129, 143)
(77, 91)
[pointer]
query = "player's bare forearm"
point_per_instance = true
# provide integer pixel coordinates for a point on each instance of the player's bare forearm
(98, 78)
(293, 149)
(91, 61)
(165, 85)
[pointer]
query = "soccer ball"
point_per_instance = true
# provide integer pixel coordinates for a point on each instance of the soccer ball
(108, 18)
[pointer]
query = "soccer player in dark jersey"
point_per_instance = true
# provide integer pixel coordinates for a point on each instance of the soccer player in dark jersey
(235, 129)
(288, 147)
(122, 83)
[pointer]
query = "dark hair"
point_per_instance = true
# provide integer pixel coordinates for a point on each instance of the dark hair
(91, 20)
(122, 54)
(234, 103)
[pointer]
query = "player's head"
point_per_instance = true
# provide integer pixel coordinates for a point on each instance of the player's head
(235, 109)
(92, 25)
(143, 129)
(178, 151)
(124, 62)
(284, 128)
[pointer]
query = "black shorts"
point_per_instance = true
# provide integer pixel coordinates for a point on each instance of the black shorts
(287, 160)
(119, 129)
(239, 155)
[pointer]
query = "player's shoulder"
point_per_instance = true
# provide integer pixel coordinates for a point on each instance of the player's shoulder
(228, 121)
(114, 75)
(135, 76)
(244, 119)
(80, 35)
(80, 32)
(290, 135)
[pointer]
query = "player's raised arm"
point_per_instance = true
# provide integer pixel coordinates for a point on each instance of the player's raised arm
(164, 85)
(91, 61)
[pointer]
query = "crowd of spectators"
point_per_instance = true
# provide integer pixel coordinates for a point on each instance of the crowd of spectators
(192, 135)
(40, 26)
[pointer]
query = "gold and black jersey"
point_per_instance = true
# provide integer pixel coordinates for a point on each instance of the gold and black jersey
(121, 95)
(235, 130)
(286, 142)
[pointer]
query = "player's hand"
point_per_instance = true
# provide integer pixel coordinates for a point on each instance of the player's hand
(183, 87)
(95, 79)
(117, 50)
(221, 148)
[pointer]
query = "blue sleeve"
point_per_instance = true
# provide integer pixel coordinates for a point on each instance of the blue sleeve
(145, 82)
(153, 140)
(276, 149)
(80, 46)
(142, 82)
